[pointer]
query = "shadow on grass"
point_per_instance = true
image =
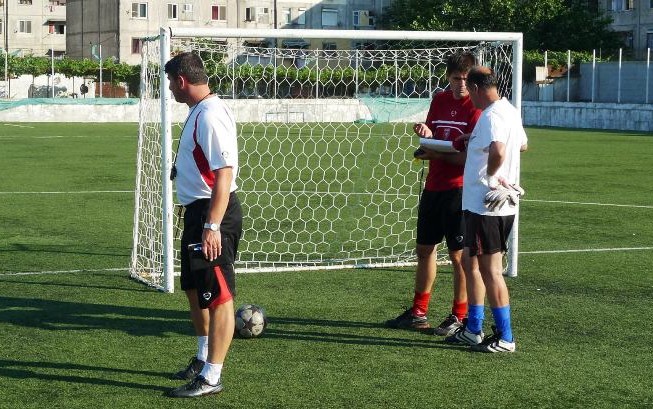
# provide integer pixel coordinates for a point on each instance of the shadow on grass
(409, 340)
(34, 370)
(65, 249)
(71, 316)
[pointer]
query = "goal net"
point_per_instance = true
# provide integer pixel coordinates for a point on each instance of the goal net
(327, 177)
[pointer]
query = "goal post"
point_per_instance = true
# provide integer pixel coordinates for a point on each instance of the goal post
(324, 120)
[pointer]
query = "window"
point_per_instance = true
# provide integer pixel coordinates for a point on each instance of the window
(219, 13)
(137, 43)
(2, 26)
(329, 48)
(139, 10)
(263, 15)
(329, 18)
(649, 39)
(363, 18)
(25, 2)
(25, 26)
(172, 11)
(56, 28)
(287, 17)
(301, 16)
(622, 5)
(187, 12)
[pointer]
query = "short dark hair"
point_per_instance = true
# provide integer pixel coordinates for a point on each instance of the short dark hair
(482, 77)
(460, 62)
(189, 65)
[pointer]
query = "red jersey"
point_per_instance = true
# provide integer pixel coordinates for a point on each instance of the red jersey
(448, 118)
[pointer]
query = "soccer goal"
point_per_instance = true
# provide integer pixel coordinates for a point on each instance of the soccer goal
(325, 120)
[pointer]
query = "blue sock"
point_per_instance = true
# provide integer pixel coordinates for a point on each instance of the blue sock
(502, 320)
(475, 316)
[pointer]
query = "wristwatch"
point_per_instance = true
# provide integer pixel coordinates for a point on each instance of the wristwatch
(212, 226)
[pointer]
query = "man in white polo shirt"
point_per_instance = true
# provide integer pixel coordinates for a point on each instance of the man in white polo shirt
(206, 167)
(490, 196)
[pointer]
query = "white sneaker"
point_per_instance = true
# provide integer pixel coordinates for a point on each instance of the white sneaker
(462, 336)
(494, 343)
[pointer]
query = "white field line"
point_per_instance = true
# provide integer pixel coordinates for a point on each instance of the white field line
(521, 252)
(80, 192)
(20, 126)
(327, 193)
(589, 203)
(28, 273)
(65, 136)
(586, 250)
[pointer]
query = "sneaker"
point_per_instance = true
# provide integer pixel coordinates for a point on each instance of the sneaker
(448, 326)
(462, 336)
(197, 387)
(408, 321)
(192, 370)
(494, 343)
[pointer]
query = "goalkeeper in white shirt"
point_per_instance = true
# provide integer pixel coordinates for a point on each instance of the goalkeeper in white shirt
(490, 198)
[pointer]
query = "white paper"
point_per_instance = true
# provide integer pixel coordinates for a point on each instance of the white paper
(437, 145)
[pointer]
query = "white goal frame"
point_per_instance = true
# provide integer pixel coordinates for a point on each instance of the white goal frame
(163, 268)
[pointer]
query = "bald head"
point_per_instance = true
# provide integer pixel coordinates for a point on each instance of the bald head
(482, 77)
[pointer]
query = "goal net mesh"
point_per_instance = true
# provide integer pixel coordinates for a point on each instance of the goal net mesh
(327, 177)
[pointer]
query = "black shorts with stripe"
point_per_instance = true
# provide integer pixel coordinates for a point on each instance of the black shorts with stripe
(440, 216)
(216, 282)
(487, 234)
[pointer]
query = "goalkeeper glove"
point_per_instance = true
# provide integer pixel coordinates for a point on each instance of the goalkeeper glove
(496, 198)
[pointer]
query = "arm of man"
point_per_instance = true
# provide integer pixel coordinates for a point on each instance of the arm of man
(496, 156)
(212, 240)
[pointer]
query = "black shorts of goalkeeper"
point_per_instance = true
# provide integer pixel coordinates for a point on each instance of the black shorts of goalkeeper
(215, 281)
(486, 234)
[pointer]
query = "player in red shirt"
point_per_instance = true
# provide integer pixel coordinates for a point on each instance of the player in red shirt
(451, 115)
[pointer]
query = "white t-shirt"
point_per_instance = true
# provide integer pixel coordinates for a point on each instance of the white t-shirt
(208, 142)
(499, 122)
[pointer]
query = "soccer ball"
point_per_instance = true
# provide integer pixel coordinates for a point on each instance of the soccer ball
(250, 321)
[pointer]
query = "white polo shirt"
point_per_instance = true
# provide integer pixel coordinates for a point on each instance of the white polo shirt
(208, 142)
(499, 122)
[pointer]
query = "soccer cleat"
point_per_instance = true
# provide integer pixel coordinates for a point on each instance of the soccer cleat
(494, 343)
(408, 321)
(448, 326)
(191, 371)
(195, 388)
(462, 336)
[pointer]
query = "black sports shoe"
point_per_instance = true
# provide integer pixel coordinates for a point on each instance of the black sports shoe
(408, 321)
(493, 343)
(192, 370)
(448, 326)
(197, 387)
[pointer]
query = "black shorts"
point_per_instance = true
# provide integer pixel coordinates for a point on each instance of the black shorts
(487, 234)
(215, 283)
(440, 216)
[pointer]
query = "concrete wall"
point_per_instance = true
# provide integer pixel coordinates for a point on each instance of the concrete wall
(634, 117)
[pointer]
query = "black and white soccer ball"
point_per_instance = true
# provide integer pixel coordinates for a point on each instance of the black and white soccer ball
(250, 321)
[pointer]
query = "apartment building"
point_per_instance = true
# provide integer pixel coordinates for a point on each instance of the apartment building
(634, 20)
(119, 25)
(33, 27)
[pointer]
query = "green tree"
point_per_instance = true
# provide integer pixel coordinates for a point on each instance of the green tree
(546, 24)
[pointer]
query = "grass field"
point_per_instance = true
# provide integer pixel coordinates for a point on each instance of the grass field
(75, 332)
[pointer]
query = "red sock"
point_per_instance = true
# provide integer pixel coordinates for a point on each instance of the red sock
(421, 303)
(459, 309)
